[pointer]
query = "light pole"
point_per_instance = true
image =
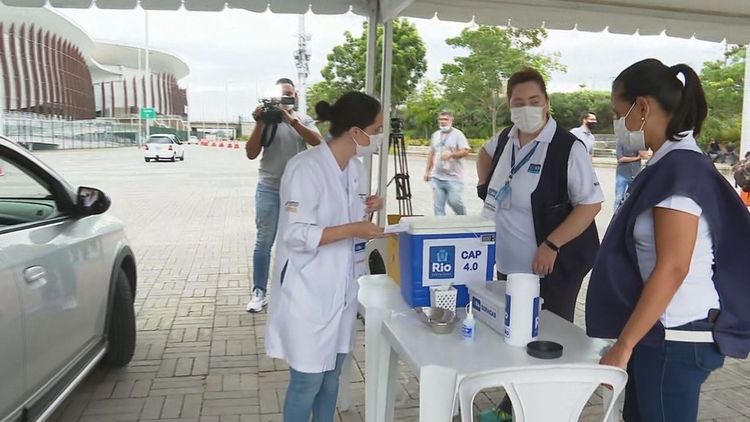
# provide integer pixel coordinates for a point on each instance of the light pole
(148, 76)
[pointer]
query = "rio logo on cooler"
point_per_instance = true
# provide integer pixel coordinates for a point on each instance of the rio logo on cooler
(442, 262)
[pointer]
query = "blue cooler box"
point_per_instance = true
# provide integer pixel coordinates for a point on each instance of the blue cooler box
(437, 251)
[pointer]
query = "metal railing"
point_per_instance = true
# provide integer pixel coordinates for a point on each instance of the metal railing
(37, 132)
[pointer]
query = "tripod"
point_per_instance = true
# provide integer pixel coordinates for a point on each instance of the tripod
(397, 143)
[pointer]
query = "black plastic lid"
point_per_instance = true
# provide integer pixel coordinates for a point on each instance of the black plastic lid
(544, 349)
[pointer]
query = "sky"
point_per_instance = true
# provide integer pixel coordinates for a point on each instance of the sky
(247, 52)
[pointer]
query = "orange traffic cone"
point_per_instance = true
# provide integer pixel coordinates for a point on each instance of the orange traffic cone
(236, 145)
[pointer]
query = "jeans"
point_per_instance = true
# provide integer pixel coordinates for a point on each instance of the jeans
(664, 383)
(622, 184)
(267, 205)
(314, 394)
(449, 191)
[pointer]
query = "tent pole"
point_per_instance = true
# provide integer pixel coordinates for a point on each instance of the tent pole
(370, 70)
(386, 101)
(745, 139)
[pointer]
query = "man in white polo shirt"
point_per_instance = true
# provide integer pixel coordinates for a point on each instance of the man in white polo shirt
(445, 166)
(583, 132)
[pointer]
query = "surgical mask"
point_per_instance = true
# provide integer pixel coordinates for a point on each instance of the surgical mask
(445, 128)
(289, 107)
(367, 150)
(528, 119)
(635, 140)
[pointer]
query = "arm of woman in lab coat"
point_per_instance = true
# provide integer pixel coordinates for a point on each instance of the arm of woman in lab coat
(301, 190)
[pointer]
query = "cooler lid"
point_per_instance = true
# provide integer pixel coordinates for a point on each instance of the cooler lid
(448, 224)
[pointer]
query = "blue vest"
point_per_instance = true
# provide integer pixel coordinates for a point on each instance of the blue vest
(616, 282)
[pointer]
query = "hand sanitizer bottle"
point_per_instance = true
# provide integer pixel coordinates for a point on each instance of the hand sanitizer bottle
(467, 329)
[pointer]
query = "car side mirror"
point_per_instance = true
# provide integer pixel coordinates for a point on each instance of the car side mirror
(91, 201)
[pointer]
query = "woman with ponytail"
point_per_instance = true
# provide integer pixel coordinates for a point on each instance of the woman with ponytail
(669, 282)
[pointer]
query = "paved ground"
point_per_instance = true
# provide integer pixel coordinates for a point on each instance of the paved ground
(200, 355)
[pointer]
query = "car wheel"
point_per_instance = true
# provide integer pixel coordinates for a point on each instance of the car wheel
(182, 157)
(147, 160)
(172, 159)
(121, 333)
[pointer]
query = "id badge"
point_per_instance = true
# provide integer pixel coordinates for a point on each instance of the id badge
(360, 258)
(502, 199)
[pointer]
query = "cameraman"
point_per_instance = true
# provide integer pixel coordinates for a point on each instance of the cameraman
(289, 137)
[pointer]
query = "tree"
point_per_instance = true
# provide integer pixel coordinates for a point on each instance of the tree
(723, 82)
(475, 84)
(567, 107)
(421, 111)
(346, 66)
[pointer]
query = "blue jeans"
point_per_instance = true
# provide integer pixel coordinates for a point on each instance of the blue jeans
(267, 205)
(622, 184)
(664, 383)
(449, 191)
(313, 394)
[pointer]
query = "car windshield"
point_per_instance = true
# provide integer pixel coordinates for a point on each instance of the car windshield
(159, 141)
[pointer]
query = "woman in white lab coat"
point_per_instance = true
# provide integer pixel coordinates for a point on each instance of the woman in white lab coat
(321, 254)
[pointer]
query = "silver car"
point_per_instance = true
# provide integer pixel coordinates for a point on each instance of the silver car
(67, 283)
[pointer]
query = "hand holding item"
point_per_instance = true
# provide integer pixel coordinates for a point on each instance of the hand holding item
(374, 203)
(427, 177)
(285, 116)
(366, 230)
(544, 260)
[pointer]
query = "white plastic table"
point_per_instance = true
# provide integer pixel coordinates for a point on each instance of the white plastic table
(379, 299)
(440, 361)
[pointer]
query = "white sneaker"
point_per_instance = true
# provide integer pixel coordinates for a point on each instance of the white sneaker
(258, 301)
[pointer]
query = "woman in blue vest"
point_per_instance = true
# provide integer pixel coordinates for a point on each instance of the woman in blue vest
(669, 282)
(543, 195)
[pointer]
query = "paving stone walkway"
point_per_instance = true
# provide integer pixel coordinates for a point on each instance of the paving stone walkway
(200, 356)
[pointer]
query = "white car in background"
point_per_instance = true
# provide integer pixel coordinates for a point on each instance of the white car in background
(193, 140)
(163, 147)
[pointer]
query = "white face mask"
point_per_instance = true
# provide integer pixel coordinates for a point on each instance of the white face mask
(528, 119)
(635, 140)
(289, 107)
(367, 150)
(445, 128)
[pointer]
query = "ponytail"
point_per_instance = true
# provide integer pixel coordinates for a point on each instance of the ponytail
(692, 108)
(685, 102)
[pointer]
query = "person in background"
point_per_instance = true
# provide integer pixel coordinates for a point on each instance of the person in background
(445, 166)
(670, 280)
(543, 194)
(583, 132)
(292, 136)
(714, 151)
(628, 165)
(321, 255)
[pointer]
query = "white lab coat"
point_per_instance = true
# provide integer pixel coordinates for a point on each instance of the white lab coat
(313, 299)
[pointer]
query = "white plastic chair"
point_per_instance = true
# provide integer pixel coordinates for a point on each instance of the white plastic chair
(554, 393)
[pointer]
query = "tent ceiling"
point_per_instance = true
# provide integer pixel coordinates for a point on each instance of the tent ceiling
(713, 20)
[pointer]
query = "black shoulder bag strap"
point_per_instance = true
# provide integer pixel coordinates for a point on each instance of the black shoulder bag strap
(502, 140)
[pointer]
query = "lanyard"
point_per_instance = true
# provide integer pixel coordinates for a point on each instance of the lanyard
(515, 167)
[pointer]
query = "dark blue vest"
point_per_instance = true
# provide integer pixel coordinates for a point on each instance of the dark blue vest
(550, 206)
(616, 283)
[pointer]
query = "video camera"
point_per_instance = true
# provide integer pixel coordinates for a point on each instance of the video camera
(397, 124)
(271, 115)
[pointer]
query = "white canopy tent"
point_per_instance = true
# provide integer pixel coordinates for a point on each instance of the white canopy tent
(715, 20)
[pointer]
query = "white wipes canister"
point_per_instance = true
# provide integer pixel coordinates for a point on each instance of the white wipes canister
(521, 309)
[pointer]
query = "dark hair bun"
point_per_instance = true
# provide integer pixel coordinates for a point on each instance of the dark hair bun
(324, 111)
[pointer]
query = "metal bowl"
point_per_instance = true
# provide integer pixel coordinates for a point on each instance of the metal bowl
(440, 320)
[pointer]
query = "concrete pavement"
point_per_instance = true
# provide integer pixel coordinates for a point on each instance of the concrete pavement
(199, 356)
